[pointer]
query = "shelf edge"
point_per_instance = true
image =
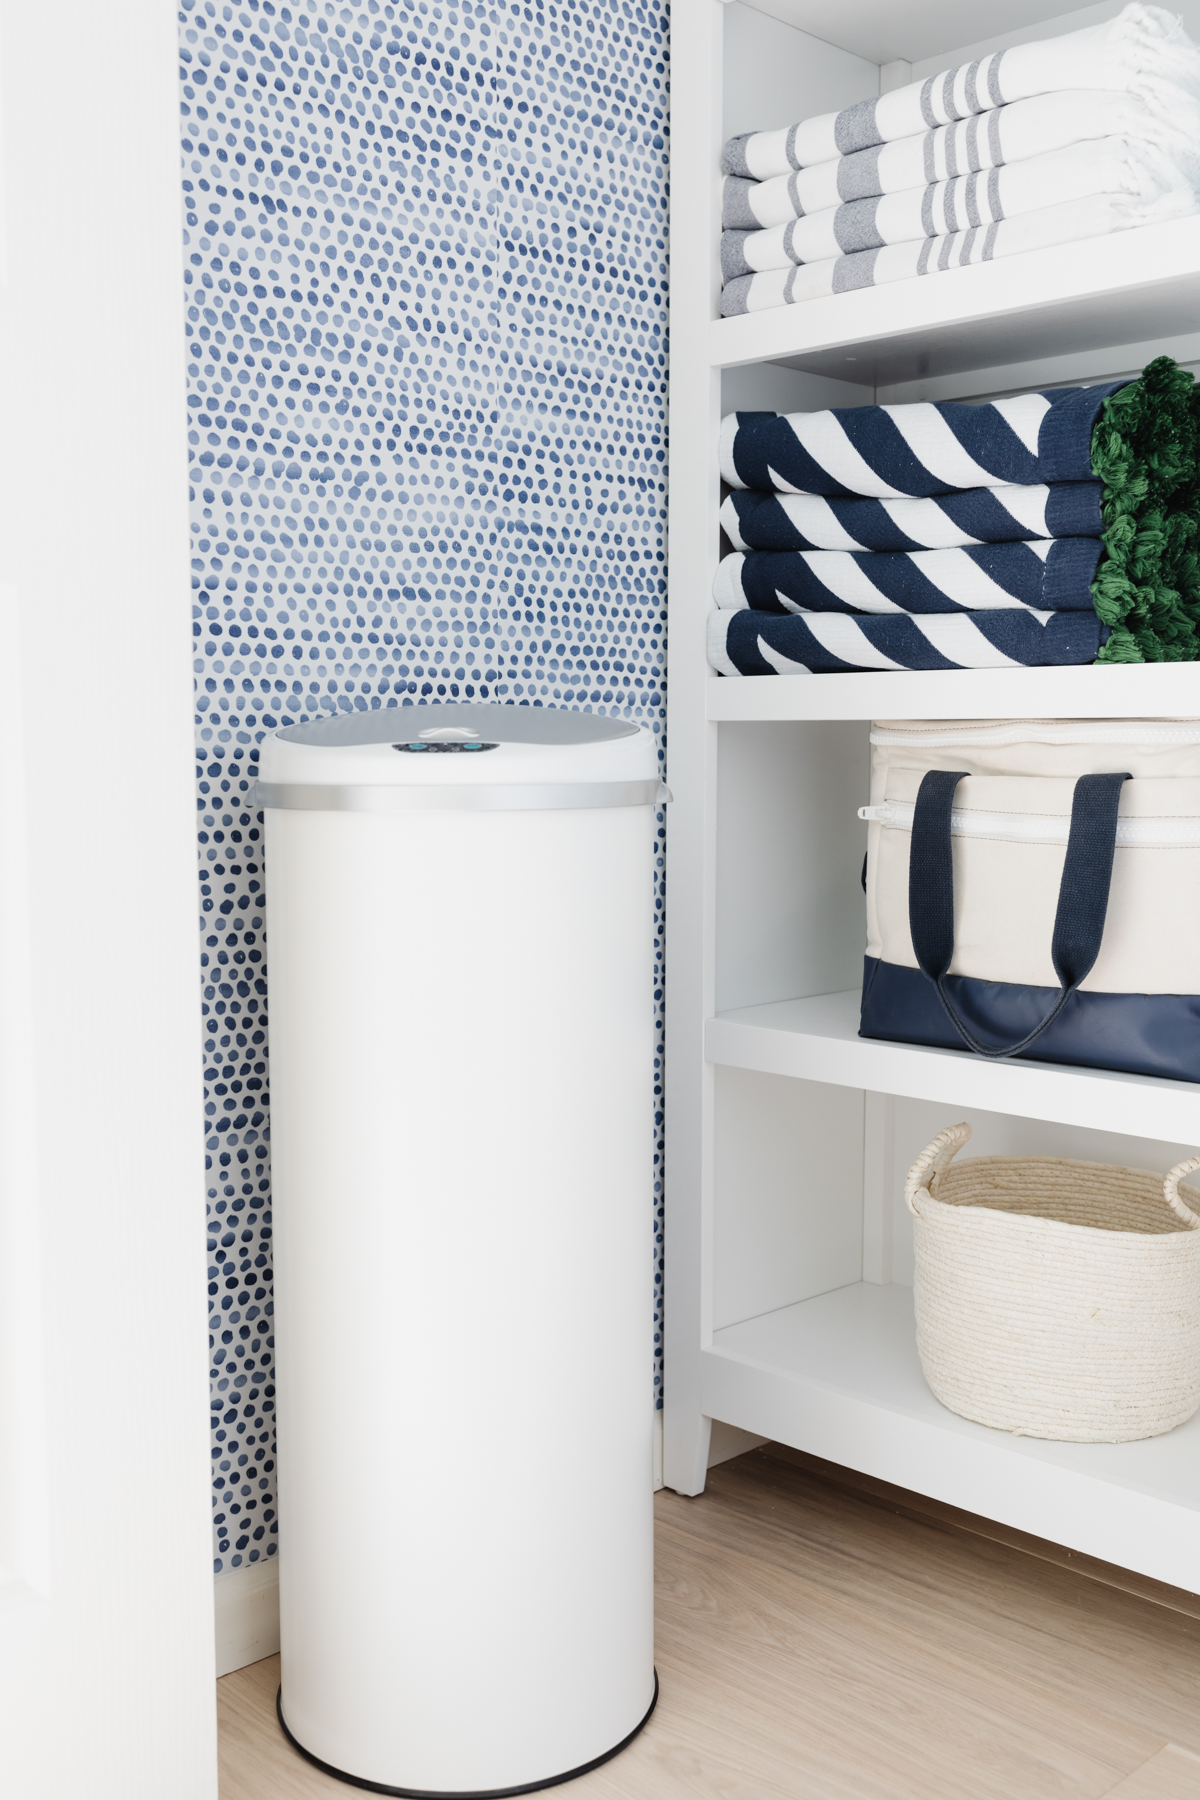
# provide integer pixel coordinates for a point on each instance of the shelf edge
(1094, 1098)
(1116, 268)
(1128, 690)
(1141, 1531)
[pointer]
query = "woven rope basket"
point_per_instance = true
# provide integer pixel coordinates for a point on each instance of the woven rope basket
(1056, 1299)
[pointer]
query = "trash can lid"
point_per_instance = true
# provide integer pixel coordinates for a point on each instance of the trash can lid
(462, 718)
(464, 755)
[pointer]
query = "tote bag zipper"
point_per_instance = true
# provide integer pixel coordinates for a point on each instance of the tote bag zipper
(1042, 828)
(1100, 731)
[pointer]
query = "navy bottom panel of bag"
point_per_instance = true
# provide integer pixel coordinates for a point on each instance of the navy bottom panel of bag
(1139, 1034)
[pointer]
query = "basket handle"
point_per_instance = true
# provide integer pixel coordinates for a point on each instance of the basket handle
(935, 1157)
(1171, 1190)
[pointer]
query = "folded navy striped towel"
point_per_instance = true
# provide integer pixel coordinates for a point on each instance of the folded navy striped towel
(999, 515)
(751, 643)
(1050, 575)
(1143, 51)
(1050, 124)
(953, 476)
(921, 449)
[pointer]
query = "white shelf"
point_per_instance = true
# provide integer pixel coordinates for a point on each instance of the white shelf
(817, 1040)
(763, 866)
(1096, 691)
(1122, 289)
(838, 1376)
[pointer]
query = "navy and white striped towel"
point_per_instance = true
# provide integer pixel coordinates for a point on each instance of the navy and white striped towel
(1050, 575)
(1143, 51)
(921, 449)
(750, 643)
(1030, 128)
(999, 515)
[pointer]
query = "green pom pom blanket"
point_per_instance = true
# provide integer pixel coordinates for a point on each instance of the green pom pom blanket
(1146, 451)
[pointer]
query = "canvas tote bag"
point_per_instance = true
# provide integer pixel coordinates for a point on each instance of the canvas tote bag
(1033, 889)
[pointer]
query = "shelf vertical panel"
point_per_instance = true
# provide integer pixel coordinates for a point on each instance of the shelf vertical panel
(694, 501)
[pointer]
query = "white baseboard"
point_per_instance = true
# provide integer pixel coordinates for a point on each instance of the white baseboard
(246, 1604)
(658, 1450)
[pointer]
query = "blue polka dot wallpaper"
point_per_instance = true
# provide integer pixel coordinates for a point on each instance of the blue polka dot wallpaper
(425, 268)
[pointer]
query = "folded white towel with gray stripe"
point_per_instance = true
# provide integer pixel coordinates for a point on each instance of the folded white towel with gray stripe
(1011, 134)
(1112, 166)
(1143, 51)
(1066, 223)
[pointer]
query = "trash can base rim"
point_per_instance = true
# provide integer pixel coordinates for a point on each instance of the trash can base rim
(404, 1793)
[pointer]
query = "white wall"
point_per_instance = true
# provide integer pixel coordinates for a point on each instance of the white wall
(775, 75)
(106, 1637)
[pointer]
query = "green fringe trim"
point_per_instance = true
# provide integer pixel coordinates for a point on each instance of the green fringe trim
(1146, 451)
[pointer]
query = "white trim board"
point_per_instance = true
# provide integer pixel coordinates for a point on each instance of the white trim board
(246, 1614)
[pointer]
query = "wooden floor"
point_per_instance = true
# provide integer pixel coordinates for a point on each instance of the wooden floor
(818, 1641)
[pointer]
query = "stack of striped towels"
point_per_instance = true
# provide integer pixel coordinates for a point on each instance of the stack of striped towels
(1048, 528)
(1070, 138)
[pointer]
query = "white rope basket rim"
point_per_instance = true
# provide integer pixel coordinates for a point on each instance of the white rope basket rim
(937, 1156)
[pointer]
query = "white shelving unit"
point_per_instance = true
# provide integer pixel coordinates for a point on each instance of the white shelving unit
(789, 1259)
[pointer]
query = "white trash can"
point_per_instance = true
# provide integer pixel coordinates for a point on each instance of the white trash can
(461, 988)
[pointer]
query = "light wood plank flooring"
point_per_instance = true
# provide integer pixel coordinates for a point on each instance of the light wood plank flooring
(821, 1637)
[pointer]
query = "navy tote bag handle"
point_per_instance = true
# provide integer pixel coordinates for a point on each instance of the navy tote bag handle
(1082, 893)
